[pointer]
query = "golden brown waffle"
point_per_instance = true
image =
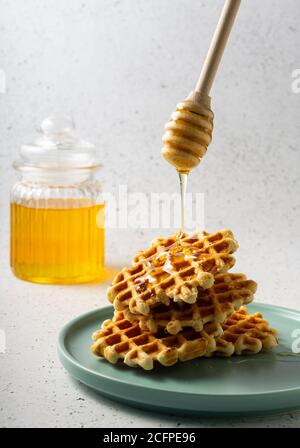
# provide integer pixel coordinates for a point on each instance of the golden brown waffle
(121, 340)
(244, 334)
(172, 268)
(229, 293)
(200, 240)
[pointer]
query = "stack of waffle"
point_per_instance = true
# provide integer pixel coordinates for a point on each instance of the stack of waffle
(179, 302)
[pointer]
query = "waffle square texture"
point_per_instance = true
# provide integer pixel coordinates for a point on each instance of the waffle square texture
(172, 268)
(119, 339)
(228, 294)
(245, 334)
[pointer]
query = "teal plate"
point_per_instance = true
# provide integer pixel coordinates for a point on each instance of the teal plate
(264, 383)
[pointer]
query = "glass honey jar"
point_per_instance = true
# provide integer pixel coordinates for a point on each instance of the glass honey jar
(57, 211)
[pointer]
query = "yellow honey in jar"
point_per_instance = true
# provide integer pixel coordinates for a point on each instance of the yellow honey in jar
(57, 208)
(58, 245)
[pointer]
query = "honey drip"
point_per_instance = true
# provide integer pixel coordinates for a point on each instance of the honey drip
(168, 261)
(57, 245)
(183, 182)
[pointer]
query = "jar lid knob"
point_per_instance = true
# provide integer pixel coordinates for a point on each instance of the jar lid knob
(58, 126)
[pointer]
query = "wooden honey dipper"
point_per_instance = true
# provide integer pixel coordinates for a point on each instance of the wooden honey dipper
(189, 130)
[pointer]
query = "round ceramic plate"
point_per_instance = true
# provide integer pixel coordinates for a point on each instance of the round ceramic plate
(263, 383)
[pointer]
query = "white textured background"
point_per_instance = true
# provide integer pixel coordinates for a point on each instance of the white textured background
(119, 68)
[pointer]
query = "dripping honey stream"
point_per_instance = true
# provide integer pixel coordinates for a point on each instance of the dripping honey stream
(183, 175)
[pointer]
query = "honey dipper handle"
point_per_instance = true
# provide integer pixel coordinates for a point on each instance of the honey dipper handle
(217, 46)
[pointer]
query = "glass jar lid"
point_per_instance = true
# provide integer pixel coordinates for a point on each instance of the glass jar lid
(58, 148)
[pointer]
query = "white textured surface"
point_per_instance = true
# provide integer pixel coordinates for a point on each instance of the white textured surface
(119, 67)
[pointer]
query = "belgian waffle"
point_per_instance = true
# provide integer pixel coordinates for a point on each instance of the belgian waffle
(119, 339)
(200, 240)
(172, 268)
(229, 293)
(122, 340)
(245, 334)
